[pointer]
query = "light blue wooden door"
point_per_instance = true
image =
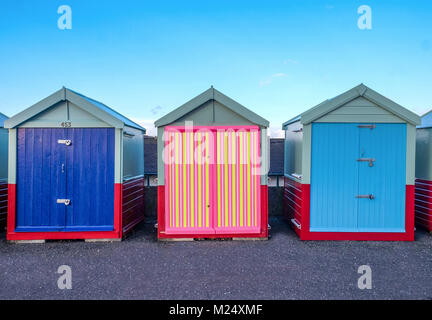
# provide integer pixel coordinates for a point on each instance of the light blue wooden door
(334, 177)
(358, 177)
(384, 178)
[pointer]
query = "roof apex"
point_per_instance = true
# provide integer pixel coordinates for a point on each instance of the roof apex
(361, 90)
(211, 94)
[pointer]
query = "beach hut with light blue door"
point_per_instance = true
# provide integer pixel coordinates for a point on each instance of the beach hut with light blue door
(3, 170)
(349, 169)
(76, 170)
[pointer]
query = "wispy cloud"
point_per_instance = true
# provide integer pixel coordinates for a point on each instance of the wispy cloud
(290, 61)
(269, 80)
(156, 110)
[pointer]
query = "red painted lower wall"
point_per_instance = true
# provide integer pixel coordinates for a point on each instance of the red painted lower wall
(3, 203)
(423, 204)
(132, 203)
(12, 235)
(297, 206)
(262, 234)
(293, 203)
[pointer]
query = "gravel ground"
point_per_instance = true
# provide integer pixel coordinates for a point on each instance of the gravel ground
(281, 268)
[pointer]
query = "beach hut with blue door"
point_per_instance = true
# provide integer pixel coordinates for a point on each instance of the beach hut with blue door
(349, 169)
(76, 170)
(3, 170)
(423, 184)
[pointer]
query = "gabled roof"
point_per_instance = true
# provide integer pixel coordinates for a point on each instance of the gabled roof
(361, 90)
(95, 108)
(211, 94)
(3, 118)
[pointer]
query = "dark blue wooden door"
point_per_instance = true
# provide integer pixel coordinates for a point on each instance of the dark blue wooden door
(90, 180)
(51, 171)
(41, 180)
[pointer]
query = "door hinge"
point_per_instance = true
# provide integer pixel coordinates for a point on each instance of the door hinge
(66, 202)
(366, 196)
(66, 142)
(370, 126)
(370, 160)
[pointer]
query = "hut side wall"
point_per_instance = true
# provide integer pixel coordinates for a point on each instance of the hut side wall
(3, 175)
(293, 149)
(423, 184)
(133, 178)
(423, 164)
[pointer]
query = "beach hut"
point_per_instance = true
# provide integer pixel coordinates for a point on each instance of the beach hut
(3, 170)
(76, 170)
(423, 184)
(349, 169)
(212, 170)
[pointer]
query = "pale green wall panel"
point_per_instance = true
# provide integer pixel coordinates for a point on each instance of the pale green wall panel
(293, 149)
(61, 112)
(160, 150)
(306, 154)
(118, 161)
(411, 154)
(12, 155)
(4, 139)
(133, 153)
(424, 154)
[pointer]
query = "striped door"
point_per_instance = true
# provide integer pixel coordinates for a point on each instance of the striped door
(237, 181)
(189, 171)
(212, 180)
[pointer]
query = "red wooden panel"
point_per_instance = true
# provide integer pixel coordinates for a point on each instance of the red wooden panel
(132, 203)
(3, 203)
(293, 200)
(423, 203)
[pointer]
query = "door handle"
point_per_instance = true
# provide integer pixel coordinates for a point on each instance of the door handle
(65, 142)
(366, 196)
(66, 202)
(370, 160)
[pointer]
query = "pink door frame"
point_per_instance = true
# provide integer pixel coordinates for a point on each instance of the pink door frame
(213, 230)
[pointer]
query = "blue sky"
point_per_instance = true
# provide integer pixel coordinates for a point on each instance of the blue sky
(278, 58)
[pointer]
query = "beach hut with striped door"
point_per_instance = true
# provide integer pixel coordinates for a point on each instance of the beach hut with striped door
(76, 170)
(349, 169)
(212, 170)
(423, 184)
(3, 170)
